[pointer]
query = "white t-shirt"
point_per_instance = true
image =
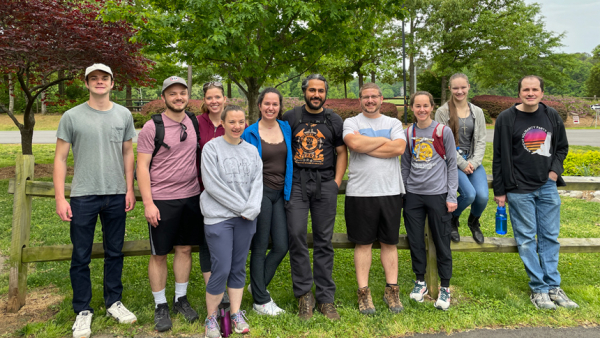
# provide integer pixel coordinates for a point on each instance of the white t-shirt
(370, 176)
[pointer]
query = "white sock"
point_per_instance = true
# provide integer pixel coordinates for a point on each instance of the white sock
(159, 297)
(180, 290)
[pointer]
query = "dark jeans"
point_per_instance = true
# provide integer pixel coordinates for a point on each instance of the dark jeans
(416, 208)
(86, 209)
(270, 221)
(322, 212)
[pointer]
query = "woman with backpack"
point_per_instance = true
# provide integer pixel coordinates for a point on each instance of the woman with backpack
(468, 126)
(430, 179)
(232, 172)
(273, 139)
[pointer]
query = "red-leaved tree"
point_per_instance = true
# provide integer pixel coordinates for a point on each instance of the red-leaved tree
(39, 38)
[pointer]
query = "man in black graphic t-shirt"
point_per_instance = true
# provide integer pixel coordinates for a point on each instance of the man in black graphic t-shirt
(318, 173)
(530, 145)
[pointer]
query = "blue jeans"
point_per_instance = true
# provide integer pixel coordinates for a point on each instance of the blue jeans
(473, 190)
(86, 209)
(538, 213)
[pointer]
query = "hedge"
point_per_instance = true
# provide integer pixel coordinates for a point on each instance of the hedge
(346, 108)
(494, 105)
(582, 163)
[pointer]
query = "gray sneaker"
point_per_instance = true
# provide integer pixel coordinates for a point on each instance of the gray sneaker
(542, 301)
(558, 296)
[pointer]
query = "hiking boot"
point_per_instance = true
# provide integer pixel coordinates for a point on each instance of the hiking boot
(475, 227)
(419, 291)
(443, 301)
(119, 312)
(542, 301)
(365, 302)
(238, 322)
(269, 308)
(183, 306)
(82, 326)
(558, 296)
(454, 235)
(329, 311)
(391, 297)
(306, 304)
(211, 327)
(162, 319)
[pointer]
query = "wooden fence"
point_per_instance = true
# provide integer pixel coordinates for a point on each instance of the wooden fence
(24, 188)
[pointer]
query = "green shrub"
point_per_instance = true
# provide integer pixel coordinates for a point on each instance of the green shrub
(139, 120)
(582, 163)
(486, 115)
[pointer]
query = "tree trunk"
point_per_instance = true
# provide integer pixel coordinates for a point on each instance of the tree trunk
(229, 88)
(128, 101)
(252, 96)
(61, 86)
(373, 77)
(11, 94)
(27, 129)
(360, 80)
(345, 89)
(43, 103)
(444, 85)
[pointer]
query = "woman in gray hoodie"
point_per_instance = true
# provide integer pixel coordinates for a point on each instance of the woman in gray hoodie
(232, 174)
(467, 123)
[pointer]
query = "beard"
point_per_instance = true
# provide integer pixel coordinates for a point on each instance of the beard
(311, 106)
(173, 109)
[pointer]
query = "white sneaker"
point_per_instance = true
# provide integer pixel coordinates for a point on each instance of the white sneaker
(119, 312)
(443, 301)
(419, 291)
(81, 328)
(250, 292)
(270, 309)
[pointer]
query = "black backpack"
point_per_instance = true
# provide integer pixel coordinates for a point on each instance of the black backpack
(159, 137)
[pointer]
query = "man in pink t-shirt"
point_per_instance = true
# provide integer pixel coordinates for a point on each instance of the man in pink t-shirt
(170, 191)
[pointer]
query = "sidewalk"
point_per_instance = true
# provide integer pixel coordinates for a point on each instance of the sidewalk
(530, 332)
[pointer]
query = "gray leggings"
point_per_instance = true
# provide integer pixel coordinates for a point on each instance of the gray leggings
(229, 243)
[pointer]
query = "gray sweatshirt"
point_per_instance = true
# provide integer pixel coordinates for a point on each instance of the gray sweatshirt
(424, 171)
(233, 183)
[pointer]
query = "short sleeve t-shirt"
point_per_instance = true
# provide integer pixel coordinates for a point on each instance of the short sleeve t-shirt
(370, 176)
(313, 143)
(173, 174)
(96, 138)
(532, 146)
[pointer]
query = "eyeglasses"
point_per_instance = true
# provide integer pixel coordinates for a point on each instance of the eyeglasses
(212, 84)
(183, 134)
(372, 97)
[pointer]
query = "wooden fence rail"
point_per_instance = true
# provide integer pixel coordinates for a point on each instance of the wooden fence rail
(24, 188)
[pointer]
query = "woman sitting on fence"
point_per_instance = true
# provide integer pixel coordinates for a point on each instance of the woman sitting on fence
(468, 126)
(273, 139)
(429, 174)
(233, 183)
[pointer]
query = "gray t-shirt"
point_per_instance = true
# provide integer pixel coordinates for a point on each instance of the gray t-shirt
(370, 176)
(97, 140)
(466, 127)
(424, 171)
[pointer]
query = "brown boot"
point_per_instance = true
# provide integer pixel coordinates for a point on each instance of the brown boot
(306, 304)
(365, 302)
(392, 298)
(329, 311)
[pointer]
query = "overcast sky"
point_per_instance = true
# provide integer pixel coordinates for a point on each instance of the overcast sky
(578, 19)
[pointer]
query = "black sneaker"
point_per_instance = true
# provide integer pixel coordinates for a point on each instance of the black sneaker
(162, 320)
(183, 306)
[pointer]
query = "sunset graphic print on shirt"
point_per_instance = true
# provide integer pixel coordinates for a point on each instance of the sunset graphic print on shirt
(537, 141)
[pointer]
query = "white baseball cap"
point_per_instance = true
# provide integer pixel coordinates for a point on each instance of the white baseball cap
(100, 67)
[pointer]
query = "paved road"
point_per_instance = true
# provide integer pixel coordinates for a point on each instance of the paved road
(583, 137)
(536, 332)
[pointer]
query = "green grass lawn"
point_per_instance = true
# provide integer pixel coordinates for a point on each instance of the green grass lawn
(488, 289)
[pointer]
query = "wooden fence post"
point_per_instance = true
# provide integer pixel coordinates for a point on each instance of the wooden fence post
(431, 274)
(21, 222)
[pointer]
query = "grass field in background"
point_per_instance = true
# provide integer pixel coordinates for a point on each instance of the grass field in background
(488, 289)
(42, 122)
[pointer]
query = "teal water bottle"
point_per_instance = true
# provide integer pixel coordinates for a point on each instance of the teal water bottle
(501, 225)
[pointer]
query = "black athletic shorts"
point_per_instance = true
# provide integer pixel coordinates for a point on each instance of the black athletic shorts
(181, 223)
(370, 219)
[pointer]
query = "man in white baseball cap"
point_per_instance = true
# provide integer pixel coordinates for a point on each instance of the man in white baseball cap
(100, 133)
